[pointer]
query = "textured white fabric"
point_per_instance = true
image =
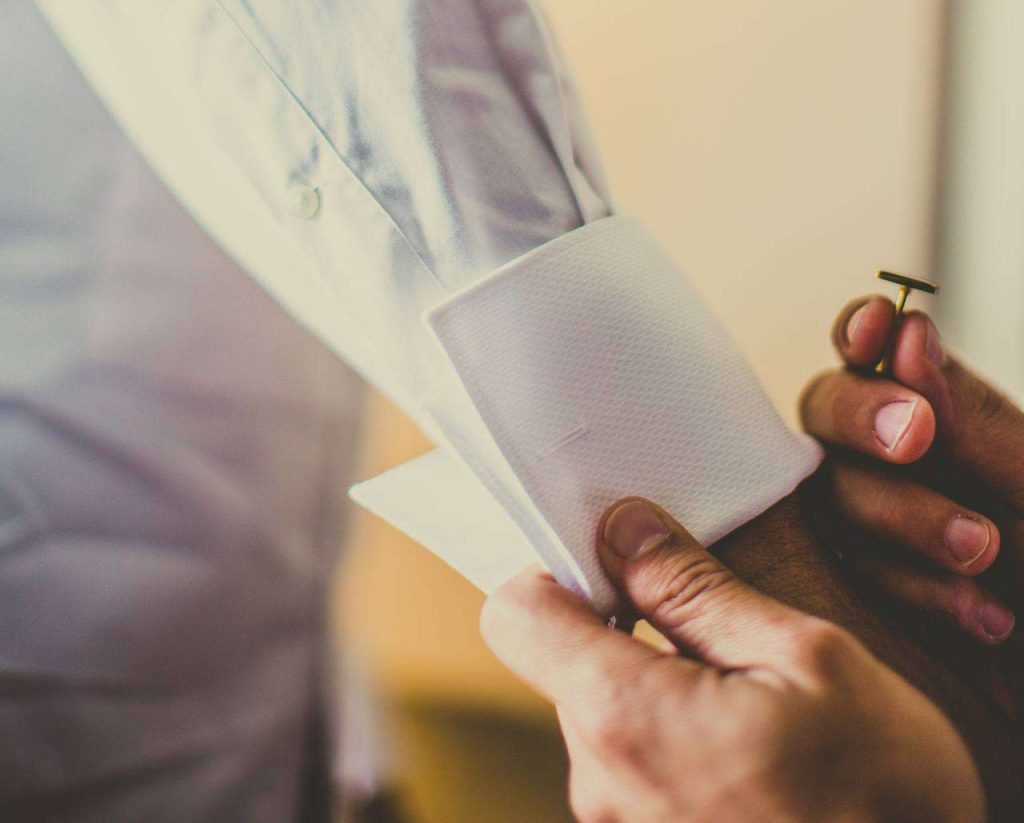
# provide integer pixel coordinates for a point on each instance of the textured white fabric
(645, 388)
(600, 373)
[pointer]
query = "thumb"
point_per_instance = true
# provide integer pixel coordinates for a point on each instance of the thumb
(688, 595)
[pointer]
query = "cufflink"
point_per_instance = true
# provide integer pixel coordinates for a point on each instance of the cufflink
(906, 284)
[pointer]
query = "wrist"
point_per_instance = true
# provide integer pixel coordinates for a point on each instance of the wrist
(782, 553)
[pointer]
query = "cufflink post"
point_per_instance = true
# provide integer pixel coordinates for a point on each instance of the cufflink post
(906, 283)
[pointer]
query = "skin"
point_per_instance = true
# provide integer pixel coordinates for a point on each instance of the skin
(753, 711)
(886, 513)
(800, 570)
(960, 461)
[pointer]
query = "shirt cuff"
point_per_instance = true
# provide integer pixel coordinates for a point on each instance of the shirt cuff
(600, 373)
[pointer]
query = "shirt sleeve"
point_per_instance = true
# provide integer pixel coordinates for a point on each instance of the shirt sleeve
(415, 181)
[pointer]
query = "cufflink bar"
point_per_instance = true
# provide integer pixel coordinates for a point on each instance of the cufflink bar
(906, 284)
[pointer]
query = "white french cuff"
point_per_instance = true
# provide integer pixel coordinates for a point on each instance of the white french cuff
(596, 372)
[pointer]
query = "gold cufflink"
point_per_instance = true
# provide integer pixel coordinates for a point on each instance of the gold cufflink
(906, 283)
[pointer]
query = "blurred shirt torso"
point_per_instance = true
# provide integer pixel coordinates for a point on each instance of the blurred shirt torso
(174, 453)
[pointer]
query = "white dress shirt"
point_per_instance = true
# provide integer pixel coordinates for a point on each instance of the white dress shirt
(414, 180)
(174, 451)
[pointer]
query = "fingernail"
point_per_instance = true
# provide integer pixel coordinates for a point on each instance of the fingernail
(933, 348)
(633, 528)
(966, 539)
(892, 421)
(854, 323)
(996, 621)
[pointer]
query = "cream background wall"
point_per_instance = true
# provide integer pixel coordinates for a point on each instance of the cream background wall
(981, 236)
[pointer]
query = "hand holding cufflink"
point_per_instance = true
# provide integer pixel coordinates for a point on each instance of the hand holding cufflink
(741, 679)
(927, 458)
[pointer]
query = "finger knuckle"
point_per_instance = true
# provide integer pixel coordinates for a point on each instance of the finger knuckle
(959, 599)
(491, 616)
(623, 727)
(822, 648)
(837, 407)
(985, 403)
(612, 727)
(888, 512)
(522, 595)
(588, 808)
(809, 397)
(679, 589)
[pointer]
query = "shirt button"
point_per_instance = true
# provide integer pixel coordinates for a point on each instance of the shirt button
(303, 202)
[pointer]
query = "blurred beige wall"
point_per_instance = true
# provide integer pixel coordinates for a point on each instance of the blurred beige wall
(782, 151)
(981, 238)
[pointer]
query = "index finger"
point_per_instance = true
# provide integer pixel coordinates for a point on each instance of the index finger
(861, 330)
(555, 642)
